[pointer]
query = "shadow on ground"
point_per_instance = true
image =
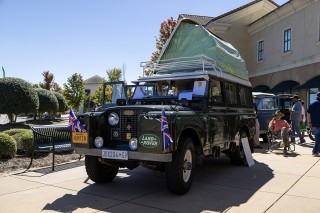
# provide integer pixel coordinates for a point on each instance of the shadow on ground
(217, 186)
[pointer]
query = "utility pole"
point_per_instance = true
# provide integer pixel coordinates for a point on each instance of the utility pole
(4, 72)
(124, 72)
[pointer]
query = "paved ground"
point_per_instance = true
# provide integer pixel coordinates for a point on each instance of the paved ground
(274, 184)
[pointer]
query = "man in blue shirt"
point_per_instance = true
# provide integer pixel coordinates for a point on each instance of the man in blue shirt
(314, 123)
(296, 117)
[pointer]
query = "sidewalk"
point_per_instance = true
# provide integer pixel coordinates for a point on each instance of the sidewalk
(274, 184)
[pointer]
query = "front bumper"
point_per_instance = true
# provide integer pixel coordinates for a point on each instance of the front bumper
(132, 155)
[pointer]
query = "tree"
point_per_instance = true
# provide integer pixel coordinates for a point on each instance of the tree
(47, 81)
(17, 96)
(166, 29)
(48, 101)
(61, 100)
(74, 91)
(114, 74)
(97, 96)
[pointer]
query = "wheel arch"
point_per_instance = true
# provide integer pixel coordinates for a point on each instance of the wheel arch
(192, 133)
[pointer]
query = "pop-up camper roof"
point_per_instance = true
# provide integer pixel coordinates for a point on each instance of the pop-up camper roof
(190, 40)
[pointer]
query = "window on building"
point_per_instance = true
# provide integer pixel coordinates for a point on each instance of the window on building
(87, 91)
(260, 50)
(287, 40)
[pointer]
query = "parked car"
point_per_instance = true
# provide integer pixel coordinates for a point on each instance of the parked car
(171, 122)
(267, 104)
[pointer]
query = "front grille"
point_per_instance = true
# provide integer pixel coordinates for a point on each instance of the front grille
(128, 125)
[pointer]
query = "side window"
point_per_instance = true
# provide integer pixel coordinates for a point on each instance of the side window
(215, 91)
(245, 96)
(230, 93)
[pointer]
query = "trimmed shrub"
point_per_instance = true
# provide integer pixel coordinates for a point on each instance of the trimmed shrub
(17, 96)
(48, 101)
(8, 146)
(23, 137)
(14, 131)
(62, 102)
(27, 141)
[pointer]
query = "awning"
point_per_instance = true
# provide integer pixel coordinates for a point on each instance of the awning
(312, 83)
(261, 88)
(283, 86)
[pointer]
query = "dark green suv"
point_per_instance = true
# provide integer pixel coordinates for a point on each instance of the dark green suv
(170, 123)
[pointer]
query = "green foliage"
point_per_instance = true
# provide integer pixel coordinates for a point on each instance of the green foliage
(74, 91)
(47, 80)
(23, 138)
(8, 146)
(114, 75)
(97, 96)
(48, 101)
(27, 141)
(14, 131)
(62, 102)
(17, 96)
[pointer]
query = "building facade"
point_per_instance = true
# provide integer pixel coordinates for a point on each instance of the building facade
(280, 44)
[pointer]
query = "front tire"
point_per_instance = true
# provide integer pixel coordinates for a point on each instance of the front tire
(237, 155)
(179, 173)
(99, 172)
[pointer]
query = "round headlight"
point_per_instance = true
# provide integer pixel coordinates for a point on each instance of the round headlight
(133, 144)
(98, 142)
(113, 119)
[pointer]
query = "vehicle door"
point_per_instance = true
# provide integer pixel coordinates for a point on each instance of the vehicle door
(266, 105)
(232, 110)
(218, 133)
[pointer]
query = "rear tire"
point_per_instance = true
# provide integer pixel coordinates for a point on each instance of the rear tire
(179, 173)
(99, 172)
(237, 155)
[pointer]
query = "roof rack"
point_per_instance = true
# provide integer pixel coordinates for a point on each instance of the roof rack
(183, 64)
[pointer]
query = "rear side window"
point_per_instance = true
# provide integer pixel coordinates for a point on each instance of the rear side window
(215, 92)
(245, 96)
(231, 93)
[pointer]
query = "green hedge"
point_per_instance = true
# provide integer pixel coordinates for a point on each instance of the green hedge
(23, 138)
(8, 146)
(62, 102)
(48, 101)
(17, 96)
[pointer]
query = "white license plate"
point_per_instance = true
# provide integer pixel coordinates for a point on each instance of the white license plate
(115, 154)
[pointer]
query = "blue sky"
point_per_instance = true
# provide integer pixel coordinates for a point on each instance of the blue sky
(88, 37)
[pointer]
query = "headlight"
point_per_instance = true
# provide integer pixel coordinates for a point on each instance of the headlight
(113, 119)
(98, 142)
(133, 144)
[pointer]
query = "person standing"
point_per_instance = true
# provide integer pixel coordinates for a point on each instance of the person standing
(296, 117)
(314, 123)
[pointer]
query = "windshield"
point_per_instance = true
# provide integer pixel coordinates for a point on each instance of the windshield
(112, 92)
(186, 88)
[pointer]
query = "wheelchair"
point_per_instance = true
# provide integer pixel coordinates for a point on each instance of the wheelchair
(274, 142)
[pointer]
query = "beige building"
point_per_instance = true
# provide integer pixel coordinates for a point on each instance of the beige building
(280, 44)
(92, 84)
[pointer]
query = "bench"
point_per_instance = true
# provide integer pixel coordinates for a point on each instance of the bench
(50, 138)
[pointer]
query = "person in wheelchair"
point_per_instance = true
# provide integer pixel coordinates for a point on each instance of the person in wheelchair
(280, 128)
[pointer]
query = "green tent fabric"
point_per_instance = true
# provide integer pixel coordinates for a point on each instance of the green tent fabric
(190, 40)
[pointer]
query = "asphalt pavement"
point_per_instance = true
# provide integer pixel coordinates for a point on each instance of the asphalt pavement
(274, 184)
